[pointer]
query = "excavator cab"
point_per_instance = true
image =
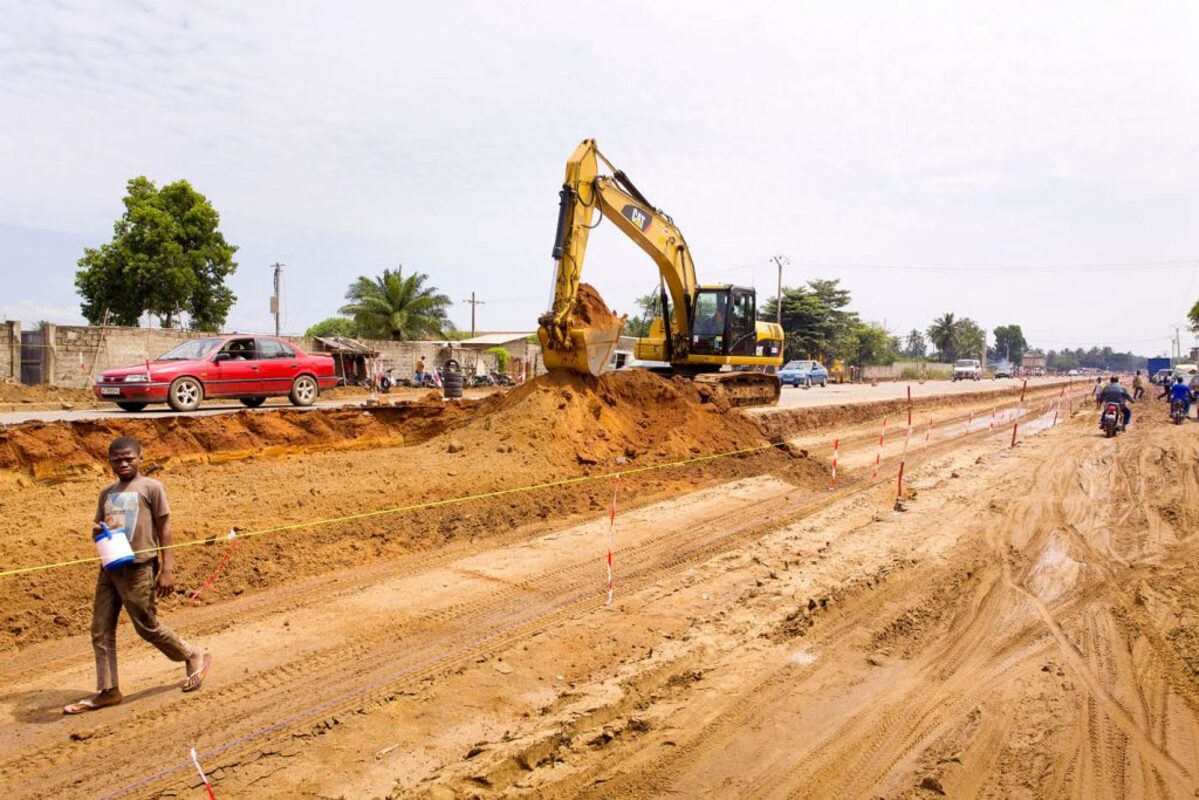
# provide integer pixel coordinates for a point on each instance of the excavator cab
(723, 321)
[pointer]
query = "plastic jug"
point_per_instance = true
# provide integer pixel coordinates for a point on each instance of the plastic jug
(113, 545)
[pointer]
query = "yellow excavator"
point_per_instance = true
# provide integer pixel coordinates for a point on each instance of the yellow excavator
(702, 329)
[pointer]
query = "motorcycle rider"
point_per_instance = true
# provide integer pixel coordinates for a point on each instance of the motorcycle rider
(1115, 393)
(1180, 391)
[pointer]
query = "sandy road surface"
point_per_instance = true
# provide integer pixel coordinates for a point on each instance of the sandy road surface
(1030, 627)
(834, 394)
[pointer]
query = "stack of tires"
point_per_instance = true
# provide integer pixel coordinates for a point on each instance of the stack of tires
(451, 380)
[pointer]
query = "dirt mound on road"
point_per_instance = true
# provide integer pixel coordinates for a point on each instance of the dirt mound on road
(591, 309)
(61, 450)
(241, 470)
(18, 394)
(568, 419)
(613, 419)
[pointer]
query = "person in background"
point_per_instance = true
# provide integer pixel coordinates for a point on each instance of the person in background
(138, 505)
(1138, 386)
(420, 371)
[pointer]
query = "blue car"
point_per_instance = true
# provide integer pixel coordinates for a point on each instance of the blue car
(803, 373)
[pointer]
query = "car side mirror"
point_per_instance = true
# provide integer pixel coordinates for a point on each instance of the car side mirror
(222, 357)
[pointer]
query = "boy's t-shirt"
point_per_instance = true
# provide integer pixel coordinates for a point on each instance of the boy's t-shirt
(135, 506)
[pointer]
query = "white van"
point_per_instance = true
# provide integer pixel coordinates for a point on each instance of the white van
(967, 369)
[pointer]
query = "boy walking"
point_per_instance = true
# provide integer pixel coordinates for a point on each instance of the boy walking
(139, 505)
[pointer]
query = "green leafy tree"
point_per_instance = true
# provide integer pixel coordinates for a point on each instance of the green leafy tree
(971, 339)
(815, 321)
(167, 256)
(943, 334)
(334, 326)
(1194, 317)
(392, 306)
(501, 359)
(648, 308)
(874, 345)
(1009, 343)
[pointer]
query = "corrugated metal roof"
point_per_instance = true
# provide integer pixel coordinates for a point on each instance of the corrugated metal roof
(342, 344)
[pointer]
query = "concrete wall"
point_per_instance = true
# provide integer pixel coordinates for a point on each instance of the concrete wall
(10, 351)
(891, 371)
(74, 354)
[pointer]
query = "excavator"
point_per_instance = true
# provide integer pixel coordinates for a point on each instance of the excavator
(702, 329)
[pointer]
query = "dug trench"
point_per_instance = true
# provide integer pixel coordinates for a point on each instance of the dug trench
(256, 471)
(1026, 629)
(306, 645)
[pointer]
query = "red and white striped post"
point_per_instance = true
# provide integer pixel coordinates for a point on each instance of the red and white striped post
(928, 432)
(991, 424)
(836, 447)
(611, 537)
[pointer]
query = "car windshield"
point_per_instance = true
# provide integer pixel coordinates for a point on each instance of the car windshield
(798, 365)
(964, 362)
(190, 351)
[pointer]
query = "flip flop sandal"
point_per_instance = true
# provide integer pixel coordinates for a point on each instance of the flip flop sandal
(85, 705)
(196, 679)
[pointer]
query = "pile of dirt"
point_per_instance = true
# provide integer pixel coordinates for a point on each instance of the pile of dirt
(15, 393)
(567, 419)
(591, 310)
(61, 450)
(252, 471)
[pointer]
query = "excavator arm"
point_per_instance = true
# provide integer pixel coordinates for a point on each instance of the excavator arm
(566, 343)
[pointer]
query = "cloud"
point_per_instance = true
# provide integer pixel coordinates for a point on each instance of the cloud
(435, 136)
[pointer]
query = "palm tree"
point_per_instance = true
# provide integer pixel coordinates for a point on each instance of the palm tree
(394, 307)
(943, 334)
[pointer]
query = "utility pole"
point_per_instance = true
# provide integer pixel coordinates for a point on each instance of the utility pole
(275, 303)
(473, 302)
(779, 260)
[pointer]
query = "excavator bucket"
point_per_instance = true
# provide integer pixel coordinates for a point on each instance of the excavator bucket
(592, 333)
(588, 352)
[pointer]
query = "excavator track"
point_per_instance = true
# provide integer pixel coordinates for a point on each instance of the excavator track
(744, 388)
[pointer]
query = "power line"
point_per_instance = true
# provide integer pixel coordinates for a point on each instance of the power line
(1138, 266)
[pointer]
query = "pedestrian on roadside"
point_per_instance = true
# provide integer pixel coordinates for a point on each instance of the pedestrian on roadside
(420, 371)
(1138, 386)
(138, 505)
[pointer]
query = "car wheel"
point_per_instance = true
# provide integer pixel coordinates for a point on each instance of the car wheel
(303, 391)
(131, 406)
(824, 383)
(252, 402)
(185, 394)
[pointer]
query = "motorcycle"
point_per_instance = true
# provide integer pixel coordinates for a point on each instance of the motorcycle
(1178, 412)
(386, 381)
(1112, 420)
(478, 381)
(502, 379)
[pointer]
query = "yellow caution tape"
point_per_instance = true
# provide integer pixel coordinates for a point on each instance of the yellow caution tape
(411, 507)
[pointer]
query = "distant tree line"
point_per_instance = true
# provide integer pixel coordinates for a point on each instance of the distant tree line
(1101, 358)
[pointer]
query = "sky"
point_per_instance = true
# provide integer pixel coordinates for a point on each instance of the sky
(1024, 162)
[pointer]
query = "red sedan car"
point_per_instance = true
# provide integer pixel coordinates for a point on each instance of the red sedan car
(249, 368)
